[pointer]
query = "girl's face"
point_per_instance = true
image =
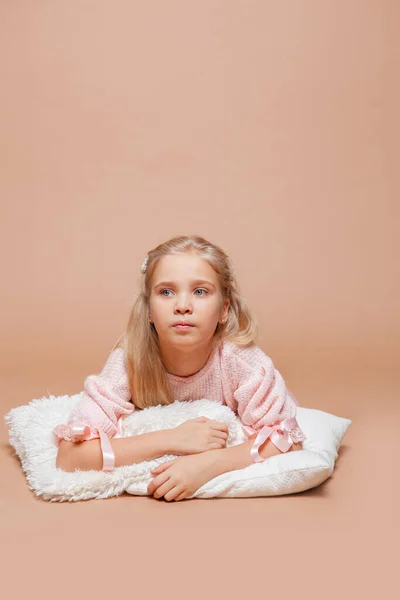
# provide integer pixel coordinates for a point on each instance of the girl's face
(185, 288)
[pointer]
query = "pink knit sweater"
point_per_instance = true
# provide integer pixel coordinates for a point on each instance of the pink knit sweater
(244, 379)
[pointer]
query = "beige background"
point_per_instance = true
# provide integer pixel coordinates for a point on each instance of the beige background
(272, 129)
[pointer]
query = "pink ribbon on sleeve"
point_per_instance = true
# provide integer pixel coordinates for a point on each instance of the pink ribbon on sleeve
(108, 453)
(78, 428)
(282, 435)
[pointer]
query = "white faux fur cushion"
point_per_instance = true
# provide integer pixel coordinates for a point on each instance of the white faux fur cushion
(30, 432)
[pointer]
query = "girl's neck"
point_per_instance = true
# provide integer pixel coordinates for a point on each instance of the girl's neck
(184, 363)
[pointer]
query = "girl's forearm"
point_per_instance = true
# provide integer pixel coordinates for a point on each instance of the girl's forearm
(239, 457)
(87, 455)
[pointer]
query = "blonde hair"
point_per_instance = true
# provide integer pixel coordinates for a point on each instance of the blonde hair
(147, 376)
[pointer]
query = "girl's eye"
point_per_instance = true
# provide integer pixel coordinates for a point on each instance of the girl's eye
(198, 289)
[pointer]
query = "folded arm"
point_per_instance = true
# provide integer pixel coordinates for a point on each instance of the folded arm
(239, 456)
(264, 404)
(97, 414)
(88, 455)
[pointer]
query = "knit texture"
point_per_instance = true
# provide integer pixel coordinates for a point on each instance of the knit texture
(244, 379)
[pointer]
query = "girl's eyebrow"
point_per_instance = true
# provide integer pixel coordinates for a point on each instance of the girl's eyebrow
(194, 282)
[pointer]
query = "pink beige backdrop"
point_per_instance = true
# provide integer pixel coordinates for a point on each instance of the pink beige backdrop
(270, 128)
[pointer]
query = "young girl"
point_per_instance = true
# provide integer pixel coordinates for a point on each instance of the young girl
(189, 336)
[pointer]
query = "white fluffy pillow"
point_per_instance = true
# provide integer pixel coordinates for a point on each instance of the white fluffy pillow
(30, 433)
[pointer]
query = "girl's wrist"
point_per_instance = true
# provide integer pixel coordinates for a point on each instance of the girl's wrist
(167, 441)
(238, 456)
(229, 459)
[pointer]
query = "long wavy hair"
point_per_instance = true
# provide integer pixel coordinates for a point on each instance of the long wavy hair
(147, 377)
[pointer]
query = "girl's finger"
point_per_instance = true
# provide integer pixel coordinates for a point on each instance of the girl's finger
(220, 434)
(173, 493)
(161, 468)
(180, 497)
(152, 488)
(220, 427)
(220, 443)
(164, 488)
(158, 469)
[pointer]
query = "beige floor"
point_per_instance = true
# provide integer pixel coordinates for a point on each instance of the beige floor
(335, 540)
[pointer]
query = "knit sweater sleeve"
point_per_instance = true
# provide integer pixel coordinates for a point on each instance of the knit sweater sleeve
(260, 396)
(104, 401)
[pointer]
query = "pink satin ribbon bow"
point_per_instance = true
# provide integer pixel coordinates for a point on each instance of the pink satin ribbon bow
(278, 433)
(77, 428)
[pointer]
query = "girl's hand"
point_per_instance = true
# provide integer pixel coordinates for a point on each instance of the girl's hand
(198, 435)
(181, 477)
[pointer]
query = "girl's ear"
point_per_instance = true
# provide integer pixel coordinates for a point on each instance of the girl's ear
(224, 315)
